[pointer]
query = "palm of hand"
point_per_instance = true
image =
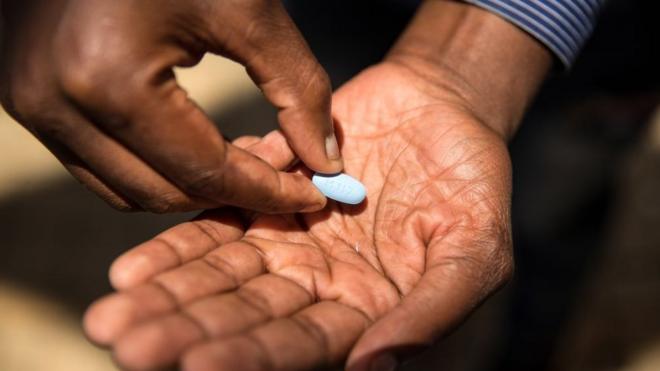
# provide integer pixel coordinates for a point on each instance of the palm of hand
(298, 291)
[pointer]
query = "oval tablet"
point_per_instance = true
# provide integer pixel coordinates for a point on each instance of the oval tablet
(340, 187)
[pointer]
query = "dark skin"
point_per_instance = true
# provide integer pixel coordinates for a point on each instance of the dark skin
(93, 81)
(426, 132)
(433, 235)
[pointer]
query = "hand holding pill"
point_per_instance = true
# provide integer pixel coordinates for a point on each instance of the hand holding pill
(103, 96)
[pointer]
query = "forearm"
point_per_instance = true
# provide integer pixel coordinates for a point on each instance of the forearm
(493, 65)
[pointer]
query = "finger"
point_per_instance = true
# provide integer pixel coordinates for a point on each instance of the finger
(143, 108)
(176, 246)
(255, 185)
(228, 265)
(108, 168)
(319, 335)
(272, 148)
(85, 175)
(221, 270)
(192, 240)
(110, 316)
(160, 342)
(131, 174)
(280, 62)
(245, 141)
(450, 289)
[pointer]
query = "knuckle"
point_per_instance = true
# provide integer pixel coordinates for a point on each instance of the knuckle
(24, 103)
(50, 128)
(37, 111)
(163, 203)
(269, 205)
(270, 198)
(263, 9)
(103, 91)
(320, 83)
(258, 27)
(316, 89)
(312, 92)
(102, 80)
(84, 59)
(83, 74)
(206, 182)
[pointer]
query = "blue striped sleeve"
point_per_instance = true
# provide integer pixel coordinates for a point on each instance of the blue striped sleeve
(562, 25)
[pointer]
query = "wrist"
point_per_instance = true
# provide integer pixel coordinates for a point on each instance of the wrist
(493, 67)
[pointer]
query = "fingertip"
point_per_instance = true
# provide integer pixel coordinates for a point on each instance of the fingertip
(129, 270)
(105, 318)
(295, 193)
(263, 188)
(316, 200)
(316, 206)
(156, 344)
(120, 277)
(312, 137)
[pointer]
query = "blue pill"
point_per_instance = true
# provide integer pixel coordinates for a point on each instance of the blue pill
(340, 187)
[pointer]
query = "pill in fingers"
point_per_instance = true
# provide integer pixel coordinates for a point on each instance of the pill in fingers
(340, 187)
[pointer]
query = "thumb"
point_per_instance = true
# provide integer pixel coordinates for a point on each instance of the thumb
(450, 289)
(261, 36)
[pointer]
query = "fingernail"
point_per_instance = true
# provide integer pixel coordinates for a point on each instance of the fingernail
(384, 362)
(332, 147)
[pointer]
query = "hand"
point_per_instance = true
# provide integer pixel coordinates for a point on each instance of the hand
(93, 80)
(298, 291)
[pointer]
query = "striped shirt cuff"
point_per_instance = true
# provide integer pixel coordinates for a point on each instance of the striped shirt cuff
(562, 25)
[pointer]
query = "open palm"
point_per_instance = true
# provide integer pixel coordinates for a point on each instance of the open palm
(359, 282)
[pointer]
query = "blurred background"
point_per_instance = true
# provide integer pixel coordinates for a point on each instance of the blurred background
(586, 208)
